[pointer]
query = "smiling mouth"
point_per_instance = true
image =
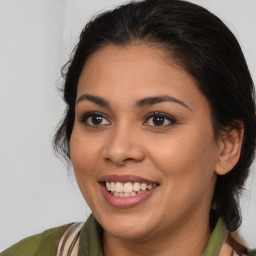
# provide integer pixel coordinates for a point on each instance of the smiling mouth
(128, 189)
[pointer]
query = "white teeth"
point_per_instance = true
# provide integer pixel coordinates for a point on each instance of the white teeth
(143, 186)
(119, 187)
(128, 189)
(113, 186)
(108, 185)
(127, 194)
(149, 186)
(136, 186)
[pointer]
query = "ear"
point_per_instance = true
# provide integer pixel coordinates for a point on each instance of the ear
(230, 145)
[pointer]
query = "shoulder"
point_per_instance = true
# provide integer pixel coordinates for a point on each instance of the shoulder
(43, 244)
(252, 253)
(238, 244)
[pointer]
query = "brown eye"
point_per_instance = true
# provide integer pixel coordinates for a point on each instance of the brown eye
(160, 120)
(94, 119)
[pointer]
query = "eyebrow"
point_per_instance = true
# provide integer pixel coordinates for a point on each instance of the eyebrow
(158, 99)
(148, 101)
(95, 99)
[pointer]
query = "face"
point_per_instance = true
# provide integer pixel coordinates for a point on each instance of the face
(142, 146)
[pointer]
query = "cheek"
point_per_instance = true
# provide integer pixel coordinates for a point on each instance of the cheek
(187, 165)
(84, 158)
(186, 156)
(84, 154)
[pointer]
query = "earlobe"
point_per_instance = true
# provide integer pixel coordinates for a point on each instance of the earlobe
(229, 150)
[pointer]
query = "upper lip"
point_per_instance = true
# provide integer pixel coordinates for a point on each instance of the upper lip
(125, 178)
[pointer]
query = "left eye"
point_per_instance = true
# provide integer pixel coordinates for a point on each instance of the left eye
(94, 119)
(158, 119)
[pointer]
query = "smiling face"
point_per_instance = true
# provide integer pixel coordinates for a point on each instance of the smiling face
(139, 119)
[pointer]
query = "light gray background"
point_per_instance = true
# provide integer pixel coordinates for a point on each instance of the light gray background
(36, 38)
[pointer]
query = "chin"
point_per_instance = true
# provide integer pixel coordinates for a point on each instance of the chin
(128, 227)
(125, 233)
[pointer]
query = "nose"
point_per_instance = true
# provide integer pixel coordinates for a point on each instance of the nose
(123, 146)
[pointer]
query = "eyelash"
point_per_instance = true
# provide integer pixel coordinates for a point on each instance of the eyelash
(162, 115)
(84, 119)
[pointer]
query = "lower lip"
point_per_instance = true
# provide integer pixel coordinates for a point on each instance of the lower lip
(125, 202)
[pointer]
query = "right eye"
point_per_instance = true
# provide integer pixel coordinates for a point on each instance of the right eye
(94, 119)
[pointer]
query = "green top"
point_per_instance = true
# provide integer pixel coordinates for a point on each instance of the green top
(217, 237)
(46, 243)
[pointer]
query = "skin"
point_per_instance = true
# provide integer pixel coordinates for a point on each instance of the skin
(182, 156)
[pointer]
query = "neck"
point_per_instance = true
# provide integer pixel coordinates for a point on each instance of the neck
(190, 239)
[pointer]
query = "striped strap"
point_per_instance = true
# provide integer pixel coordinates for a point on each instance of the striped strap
(68, 245)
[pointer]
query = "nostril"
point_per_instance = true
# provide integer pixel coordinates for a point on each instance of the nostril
(121, 149)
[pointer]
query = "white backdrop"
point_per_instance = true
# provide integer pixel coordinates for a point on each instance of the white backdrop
(36, 37)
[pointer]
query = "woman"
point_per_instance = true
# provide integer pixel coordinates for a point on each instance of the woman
(160, 129)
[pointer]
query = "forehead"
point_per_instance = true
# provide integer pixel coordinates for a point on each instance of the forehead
(117, 62)
(136, 71)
